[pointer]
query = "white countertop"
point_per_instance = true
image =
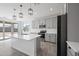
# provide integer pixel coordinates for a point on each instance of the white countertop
(74, 45)
(30, 36)
(51, 31)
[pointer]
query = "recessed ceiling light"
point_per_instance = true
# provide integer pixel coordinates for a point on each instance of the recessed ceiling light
(51, 9)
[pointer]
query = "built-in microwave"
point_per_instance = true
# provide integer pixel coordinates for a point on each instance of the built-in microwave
(42, 26)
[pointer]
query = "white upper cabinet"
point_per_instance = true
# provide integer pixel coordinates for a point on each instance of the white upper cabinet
(40, 21)
(33, 24)
(50, 37)
(50, 23)
(43, 21)
(54, 22)
(37, 24)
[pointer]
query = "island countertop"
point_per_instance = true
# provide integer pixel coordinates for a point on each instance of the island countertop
(30, 36)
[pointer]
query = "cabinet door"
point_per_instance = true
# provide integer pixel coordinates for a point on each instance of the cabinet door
(40, 21)
(47, 23)
(47, 37)
(51, 23)
(33, 24)
(54, 22)
(37, 24)
(43, 22)
(52, 38)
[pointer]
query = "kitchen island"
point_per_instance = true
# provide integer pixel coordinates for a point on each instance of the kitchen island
(28, 44)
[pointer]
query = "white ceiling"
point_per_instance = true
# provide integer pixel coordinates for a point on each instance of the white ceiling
(40, 10)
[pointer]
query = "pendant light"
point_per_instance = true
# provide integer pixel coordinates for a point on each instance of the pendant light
(30, 11)
(21, 13)
(14, 15)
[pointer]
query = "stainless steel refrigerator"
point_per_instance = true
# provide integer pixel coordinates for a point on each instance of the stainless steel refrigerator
(62, 35)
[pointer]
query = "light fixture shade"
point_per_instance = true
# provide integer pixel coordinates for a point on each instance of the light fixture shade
(30, 11)
(20, 15)
(14, 15)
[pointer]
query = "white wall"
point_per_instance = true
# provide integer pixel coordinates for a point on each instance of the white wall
(73, 22)
(6, 10)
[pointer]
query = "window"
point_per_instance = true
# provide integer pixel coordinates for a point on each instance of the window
(8, 30)
(1, 31)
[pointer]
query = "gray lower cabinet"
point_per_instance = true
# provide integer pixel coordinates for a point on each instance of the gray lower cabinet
(50, 37)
